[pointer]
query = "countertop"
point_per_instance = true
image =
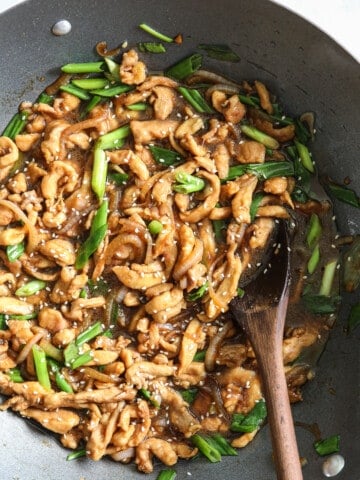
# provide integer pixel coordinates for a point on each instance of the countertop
(338, 18)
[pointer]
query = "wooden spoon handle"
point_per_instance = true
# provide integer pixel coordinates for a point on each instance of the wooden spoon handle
(266, 338)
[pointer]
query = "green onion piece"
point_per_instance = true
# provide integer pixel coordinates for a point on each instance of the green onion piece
(59, 377)
(16, 125)
(71, 352)
(301, 131)
(205, 448)
(42, 373)
(3, 322)
(195, 99)
(304, 155)
(320, 304)
(219, 227)
(50, 350)
(220, 52)
(118, 178)
(94, 100)
(198, 292)
(249, 100)
(155, 33)
(260, 136)
(188, 183)
(113, 139)
(76, 91)
(155, 227)
(221, 444)
(199, 356)
(112, 91)
(327, 445)
(262, 170)
(15, 375)
(99, 172)
(90, 67)
(185, 67)
(255, 204)
(314, 260)
(28, 316)
(147, 395)
(100, 287)
(138, 107)
(76, 454)
(151, 47)
(189, 395)
(251, 421)
(314, 230)
(44, 98)
(90, 83)
(165, 156)
(354, 317)
(83, 293)
(82, 359)
(240, 292)
(30, 288)
(107, 334)
(328, 278)
(113, 67)
(13, 252)
(88, 334)
(344, 194)
(166, 475)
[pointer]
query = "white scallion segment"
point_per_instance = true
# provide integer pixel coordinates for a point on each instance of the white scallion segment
(333, 465)
(62, 27)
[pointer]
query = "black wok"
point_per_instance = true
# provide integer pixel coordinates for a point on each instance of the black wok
(308, 71)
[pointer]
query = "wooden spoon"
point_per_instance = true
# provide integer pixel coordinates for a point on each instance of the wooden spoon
(262, 312)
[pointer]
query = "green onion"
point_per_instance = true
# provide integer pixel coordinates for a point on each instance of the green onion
(3, 322)
(255, 204)
(320, 304)
(113, 139)
(222, 445)
(188, 183)
(15, 375)
(100, 287)
(354, 317)
(314, 260)
(165, 156)
(260, 136)
(16, 125)
(251, 421)
(155, 227)
(219, 227)
(94, 100)
(262, 170)
(28, 316)
(118, 178)
(166, 475)
(344, 194)
(147, 395)
(90, 83)
(88, 334)
(82, 359)
(199, 356)
(249, 100)
(76, 91)
(151, 47)
(113, 67)
(76, 454)
(189, 395)
(304, 155)
(83, 293)
(138, 107)
(185, 67)
(111, 91)
(301, 131)
(42, 373)
(155, 33)
(327, 445)
(220, 52)
(44, 98)
(314, 230)
(90, 67)
(62, 384)
(71, 352)
(240, 292)
(206, 448)
(13, 252)
(195, 99)
(97, 233)
(30, 288)
(327, 278)
(99, 172)
(50, 350)
(198, 292)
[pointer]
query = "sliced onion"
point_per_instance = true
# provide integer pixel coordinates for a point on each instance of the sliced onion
(124, 455)
(214, 345)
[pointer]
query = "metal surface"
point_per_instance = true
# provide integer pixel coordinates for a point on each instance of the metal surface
(309, 72)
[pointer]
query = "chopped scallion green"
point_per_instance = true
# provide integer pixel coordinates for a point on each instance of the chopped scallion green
(220, 52)
(76, 91)
(89, 67)
(328, 445)
(185, 67)
(155, 33)
(13, 252)
(90, 83)
(167, 474)
(251, 421)
(188, 183)
(260, 136)
(165, 156)
(40, 364)
(314, 230)
(113, 139)
(195, 99)
(30, 288)
(76, 454)
(151, 47)
(206, 448)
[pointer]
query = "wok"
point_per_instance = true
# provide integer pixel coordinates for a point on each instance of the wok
(308, 71)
